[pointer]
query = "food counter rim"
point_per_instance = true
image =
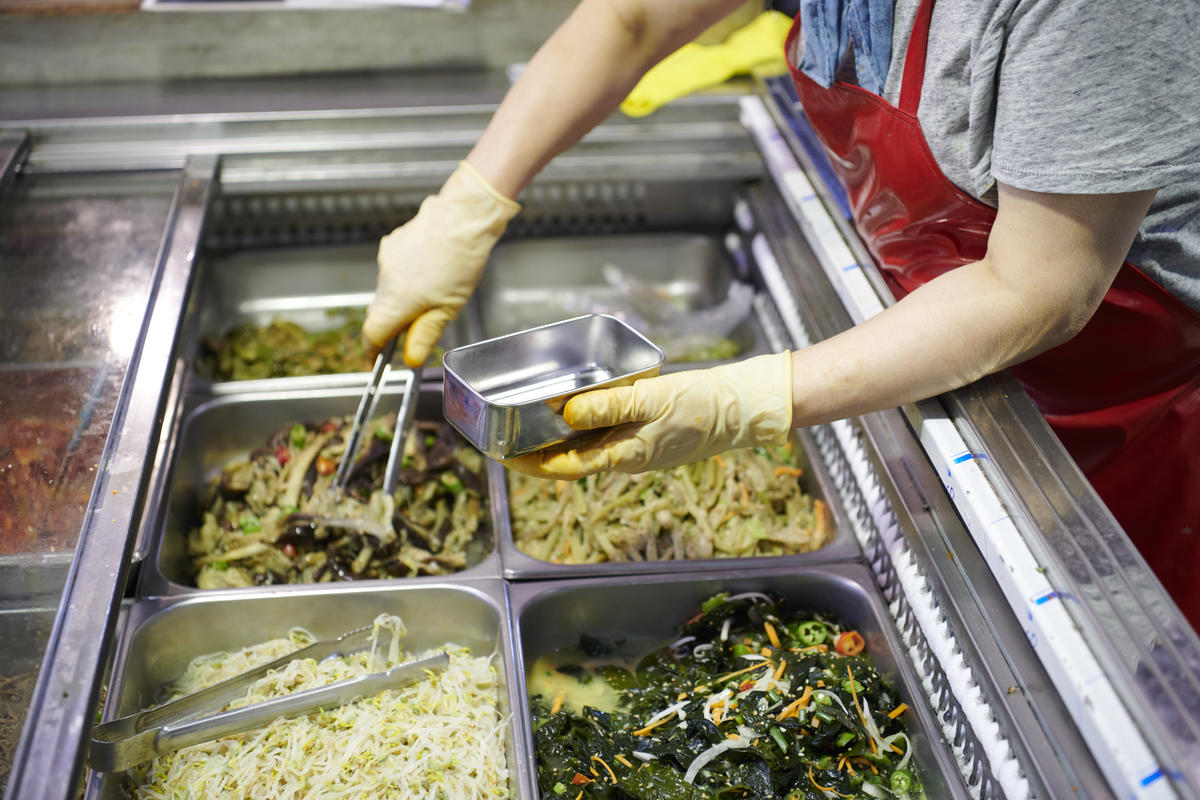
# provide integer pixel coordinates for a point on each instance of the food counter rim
(505, 558)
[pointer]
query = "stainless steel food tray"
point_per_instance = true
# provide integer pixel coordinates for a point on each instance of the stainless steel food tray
(23, 633)
(815, 479)
(551, 615)
(160, 636)
(531, 282)
(506, 395)
(219, 429)
(298, 285)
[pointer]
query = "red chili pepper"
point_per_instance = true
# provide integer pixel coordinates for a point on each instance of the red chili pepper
(289, 550)
(746, 685)
(326, 466)
(580, 779)
(850, 643)
(330, 426)
(282, 454)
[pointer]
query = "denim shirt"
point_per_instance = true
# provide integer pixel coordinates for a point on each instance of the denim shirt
(831, 26)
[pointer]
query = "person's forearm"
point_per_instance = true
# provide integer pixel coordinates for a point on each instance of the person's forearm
(579, 77)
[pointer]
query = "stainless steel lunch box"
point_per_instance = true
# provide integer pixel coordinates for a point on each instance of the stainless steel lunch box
(506, 395)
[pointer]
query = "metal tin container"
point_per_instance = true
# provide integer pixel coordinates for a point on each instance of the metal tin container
(506, 395)
(644, 613)
(815, 480)
(531, 282)
(305, 286)
(219, 430)
(161, 636)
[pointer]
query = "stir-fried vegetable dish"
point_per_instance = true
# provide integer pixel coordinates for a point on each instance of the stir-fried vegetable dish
(749, 702)
(440, 737)
(284, 349)
(274, 518)
(739, 504)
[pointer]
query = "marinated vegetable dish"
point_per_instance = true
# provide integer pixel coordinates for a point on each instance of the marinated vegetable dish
(437, 738)
(275, 519)
(739, 504)
(749, 702)
(284, 349)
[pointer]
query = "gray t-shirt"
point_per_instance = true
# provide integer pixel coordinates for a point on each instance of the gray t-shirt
(1070, 96)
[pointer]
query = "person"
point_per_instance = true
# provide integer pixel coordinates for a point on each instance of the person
(1003, 160)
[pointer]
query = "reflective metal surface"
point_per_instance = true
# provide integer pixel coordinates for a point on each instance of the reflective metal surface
(506, 394)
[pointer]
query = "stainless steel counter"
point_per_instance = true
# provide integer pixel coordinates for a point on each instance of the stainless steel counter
(109, 226)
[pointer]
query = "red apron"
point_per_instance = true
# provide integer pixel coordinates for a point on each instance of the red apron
(1123, 395)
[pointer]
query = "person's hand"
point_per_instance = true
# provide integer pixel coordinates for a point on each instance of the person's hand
(429, 266)
(672, 419)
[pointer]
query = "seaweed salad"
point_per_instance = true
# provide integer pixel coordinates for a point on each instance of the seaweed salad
(748, 702)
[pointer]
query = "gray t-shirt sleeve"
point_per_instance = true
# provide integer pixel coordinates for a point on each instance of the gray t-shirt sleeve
(1098, 96)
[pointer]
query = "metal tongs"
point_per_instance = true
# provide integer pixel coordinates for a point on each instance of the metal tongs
(128, 741)
(366, 410)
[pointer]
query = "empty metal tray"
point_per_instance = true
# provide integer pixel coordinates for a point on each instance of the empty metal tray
(506, 395)
(531, 282)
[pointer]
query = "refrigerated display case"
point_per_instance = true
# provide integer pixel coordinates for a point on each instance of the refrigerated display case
(1038, 653)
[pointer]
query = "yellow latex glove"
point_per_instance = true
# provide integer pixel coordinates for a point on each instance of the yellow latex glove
(429, 266)
(672, 419)
(696, 66)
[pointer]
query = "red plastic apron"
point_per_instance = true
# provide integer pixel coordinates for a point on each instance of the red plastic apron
(1124, 395)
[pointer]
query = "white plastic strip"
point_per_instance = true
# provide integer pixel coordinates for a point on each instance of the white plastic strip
(845, 273)
(1121, 753)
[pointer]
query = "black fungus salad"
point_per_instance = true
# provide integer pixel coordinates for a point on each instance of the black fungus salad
(749, 702)
(274, 518)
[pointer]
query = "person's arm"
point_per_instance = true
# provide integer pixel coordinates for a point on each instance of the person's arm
(429, 266)
(1050, 260)
(579, 76)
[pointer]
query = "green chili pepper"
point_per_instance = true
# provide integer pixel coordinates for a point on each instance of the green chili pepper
(451, 482)
(220, 566)
(811, 633)
(902, 781)
(846, 687)
(823, 699)
(429, 440)
(299, 435)
(384, 434)
(560, 788)
(712, 602)
(249, 523)
(741, 650)
(844, 738)
(777, 736)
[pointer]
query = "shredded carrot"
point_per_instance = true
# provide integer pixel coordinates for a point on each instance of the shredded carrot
(558, 487)
(759, 665)
(841, 763)
(821, 512)
(653, 725)
(850, 769)
(898, 710)
(558, 703)
(824, 788)
(795, 472)
(745, 494)
(765, 652)
(820, 684)
(732, 736)
(611, 774)
(681, 695)
(623, 760)
(580, 795)
(772, 636)
(896, 749)
(821, 648)
(720, 461)
(857, 710)
(593, 771)
(779, 672)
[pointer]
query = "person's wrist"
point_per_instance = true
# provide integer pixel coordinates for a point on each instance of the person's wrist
(763, 386)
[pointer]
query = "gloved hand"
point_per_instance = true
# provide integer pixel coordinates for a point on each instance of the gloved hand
(429, 266)
(672, 419)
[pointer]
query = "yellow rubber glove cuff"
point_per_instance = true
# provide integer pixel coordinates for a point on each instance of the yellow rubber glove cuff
(662, 422)
(429, 266)
(695, 66)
